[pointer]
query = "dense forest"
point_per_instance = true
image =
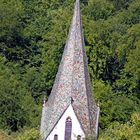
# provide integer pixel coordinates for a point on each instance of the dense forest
(32, 38)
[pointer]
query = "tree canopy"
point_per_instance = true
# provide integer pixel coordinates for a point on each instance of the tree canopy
(32, 38)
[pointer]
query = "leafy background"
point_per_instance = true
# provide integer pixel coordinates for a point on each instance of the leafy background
(32, 38)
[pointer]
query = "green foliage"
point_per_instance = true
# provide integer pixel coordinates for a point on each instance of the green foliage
(32, 37)
(129, 82)
(29, 134)
(99, 9)
(4, 136)
(113, 53)
(16, 103)
(11, 43)
(10, 10)
(120, 4)
(114, 107)
(129, 130)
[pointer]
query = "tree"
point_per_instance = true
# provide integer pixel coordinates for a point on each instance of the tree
(129, 130)
(99, 9)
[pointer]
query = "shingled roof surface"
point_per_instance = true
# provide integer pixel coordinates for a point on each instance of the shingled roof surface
(72, 84)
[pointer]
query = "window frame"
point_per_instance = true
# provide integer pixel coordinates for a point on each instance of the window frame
(68, 128)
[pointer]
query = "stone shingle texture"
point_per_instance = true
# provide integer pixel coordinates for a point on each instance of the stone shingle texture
(72, 84)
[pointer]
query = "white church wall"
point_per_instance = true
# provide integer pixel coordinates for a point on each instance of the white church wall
(59, 129)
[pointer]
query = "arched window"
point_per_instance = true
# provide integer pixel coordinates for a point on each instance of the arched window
(68, 128)
(55, 137)
(78, 137)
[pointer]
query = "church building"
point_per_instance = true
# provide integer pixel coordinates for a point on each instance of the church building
(71, 112)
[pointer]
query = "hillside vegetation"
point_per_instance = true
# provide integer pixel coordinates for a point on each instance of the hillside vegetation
(32, 38)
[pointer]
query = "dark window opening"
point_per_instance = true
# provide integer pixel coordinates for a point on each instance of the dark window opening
(68, 128)
(78, 137)
(55, 137)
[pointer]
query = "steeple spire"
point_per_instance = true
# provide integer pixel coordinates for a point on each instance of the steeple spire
(72, 84)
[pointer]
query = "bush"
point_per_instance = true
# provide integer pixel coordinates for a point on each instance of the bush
(4, 136)
(29, 134)
(127, 131)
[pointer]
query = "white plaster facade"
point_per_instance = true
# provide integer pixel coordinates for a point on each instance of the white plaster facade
(59, 129)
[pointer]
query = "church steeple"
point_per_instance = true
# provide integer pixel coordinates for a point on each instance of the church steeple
(72, 85)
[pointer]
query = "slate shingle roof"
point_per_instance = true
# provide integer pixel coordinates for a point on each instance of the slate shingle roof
(72, 83)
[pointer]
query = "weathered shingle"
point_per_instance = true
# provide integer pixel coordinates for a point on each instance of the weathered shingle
(72, 83)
